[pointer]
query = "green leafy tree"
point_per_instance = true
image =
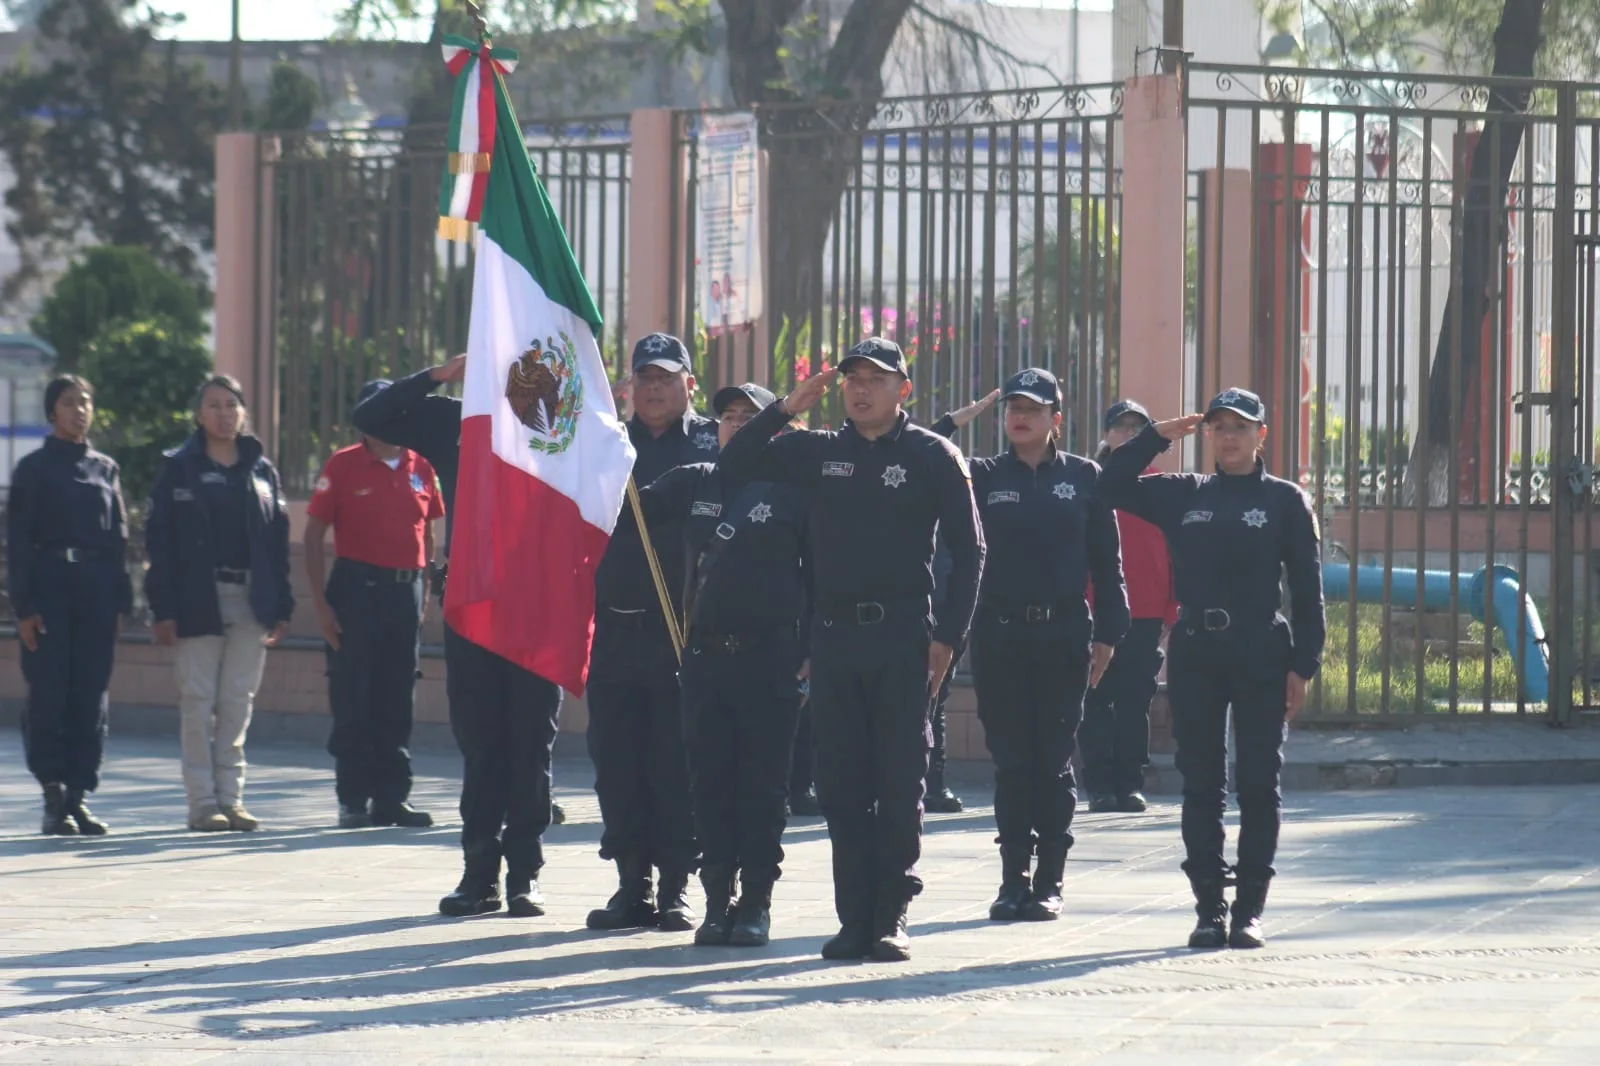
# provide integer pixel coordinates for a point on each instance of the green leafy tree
(144, 373)
(107, 284)
(292, 99)
(110, 138)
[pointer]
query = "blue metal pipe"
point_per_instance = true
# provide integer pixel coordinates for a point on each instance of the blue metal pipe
(1506, 603)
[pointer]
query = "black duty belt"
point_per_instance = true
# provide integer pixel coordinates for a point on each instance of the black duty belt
(868, 612)
(1218, 619)
(381, 573)
(1026, 614)
(725, 643)
(76, 555)
(229, 576)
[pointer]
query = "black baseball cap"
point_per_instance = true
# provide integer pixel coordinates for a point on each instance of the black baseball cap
(1035, 384)
(762, 398)
(663, 350)
(1241, 402)
(880, 353)
(371, 389)
(1117, 411)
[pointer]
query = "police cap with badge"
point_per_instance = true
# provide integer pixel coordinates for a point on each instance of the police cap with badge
(1038, 385)
(1122, 409)
(662, 350)
(881, 353)
(761, 397)
(1242, 402)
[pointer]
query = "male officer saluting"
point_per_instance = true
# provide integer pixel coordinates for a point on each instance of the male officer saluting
(381, 501)
(635, 719)
(880, 486)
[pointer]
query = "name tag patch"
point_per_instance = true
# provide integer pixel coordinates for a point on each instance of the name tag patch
(211, 477)
(183, 495)
(1197, 516)
(1005, 496)
(703, 509)
(838, 470)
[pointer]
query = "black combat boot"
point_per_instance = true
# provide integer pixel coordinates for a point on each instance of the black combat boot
(672, 902)
(1212, 908)
(1014, 889)
(55, 822)
(1044, 905)
(88, 824)
(633, 905)
(479, 890)
(804, 804)
(752, 925)
(718, 883)
(939, 799)
(891, 942)
(1250, 899)
(523, 898)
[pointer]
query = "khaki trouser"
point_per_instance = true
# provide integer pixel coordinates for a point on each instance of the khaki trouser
(217, 682)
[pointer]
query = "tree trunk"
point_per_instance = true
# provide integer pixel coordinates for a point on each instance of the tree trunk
(1479, 251)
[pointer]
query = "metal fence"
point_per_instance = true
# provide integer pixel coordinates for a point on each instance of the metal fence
(1415, 248)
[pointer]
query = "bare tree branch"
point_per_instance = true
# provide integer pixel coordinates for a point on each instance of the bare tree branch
(978, 41)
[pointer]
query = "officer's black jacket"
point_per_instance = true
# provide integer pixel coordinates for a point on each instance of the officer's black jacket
(746, 548)
(409, 415)
(64, 495)
(181, 583)
(1232, 538)
(622, 581)
(1048, 531)
(875, 506)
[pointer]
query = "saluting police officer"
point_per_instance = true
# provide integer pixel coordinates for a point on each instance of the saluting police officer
(504, 717)
(879, 487)
(66, 553)
(743, 667)
(1048, 531)
(381, 501)
(1233, 533)
(635, 715)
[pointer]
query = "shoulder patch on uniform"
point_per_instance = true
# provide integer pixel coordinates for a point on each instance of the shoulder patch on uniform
(324, 484)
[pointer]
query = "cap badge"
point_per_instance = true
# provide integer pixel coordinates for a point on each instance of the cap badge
(1029, 378)
(655, 344)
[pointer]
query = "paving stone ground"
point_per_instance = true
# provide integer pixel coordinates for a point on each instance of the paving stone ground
(1409, 925)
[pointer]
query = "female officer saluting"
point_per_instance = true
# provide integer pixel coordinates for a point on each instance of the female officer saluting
(218, 585)
(1048, 531)
(67, 539)
(1233, 534)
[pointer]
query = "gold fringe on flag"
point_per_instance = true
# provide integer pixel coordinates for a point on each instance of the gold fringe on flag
(469, 162)
(455, 229)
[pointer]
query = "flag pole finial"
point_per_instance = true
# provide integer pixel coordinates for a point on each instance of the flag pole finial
(475, 13)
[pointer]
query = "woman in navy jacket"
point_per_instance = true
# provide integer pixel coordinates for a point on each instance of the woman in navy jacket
(218, 585)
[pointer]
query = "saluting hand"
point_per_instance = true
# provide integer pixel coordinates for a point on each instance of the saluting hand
(453, 371)
(330, 625)
(1099, 658)
(29, 630)
(966, 415)
(1178, 428)
(808, 392)
(939, 658)
(1294, 695)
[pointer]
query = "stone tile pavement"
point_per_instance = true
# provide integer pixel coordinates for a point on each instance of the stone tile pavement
(1451, 924)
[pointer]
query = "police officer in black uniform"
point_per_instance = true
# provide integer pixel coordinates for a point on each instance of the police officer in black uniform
(743, 667)
(635, 715)
(504, 717)
(66, 551)
(1234, 534)
(879, 486)
(1048, 531)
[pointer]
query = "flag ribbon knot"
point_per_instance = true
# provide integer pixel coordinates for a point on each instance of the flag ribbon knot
(472, 131)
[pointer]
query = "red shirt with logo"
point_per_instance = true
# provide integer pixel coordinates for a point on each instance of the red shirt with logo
(1146, 567)
(378, 514)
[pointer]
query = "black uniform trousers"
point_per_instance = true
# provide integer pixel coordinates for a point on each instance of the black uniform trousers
(1030, 679)
(504, 719)
(1115, 737)
(372, 681)
(1244, 666)
(636, 742)
(741, 707)
(64, 730)
(939, 719)
(870, 701)
(801, 774)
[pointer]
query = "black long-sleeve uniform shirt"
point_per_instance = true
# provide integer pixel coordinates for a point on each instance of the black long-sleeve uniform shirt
(745, 548)
(1233, 537)
(875, 505)
(64, 495)
(622, 581)
(1048, 529)
(408, 414)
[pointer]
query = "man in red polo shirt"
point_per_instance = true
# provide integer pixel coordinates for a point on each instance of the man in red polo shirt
(380, 501)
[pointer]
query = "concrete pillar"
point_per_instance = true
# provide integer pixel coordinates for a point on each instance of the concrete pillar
(1223, 314)
(245, 327)
(656, 221)
(1283, 172)
(1154, 175)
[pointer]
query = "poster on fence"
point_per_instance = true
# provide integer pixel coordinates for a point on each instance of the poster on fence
(728, 221)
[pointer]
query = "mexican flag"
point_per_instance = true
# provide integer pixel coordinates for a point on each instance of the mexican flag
(544, 460)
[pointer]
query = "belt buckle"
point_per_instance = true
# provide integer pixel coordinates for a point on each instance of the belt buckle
(1216, 619)
(1037, 614)
(869, 614)
(72, 555)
